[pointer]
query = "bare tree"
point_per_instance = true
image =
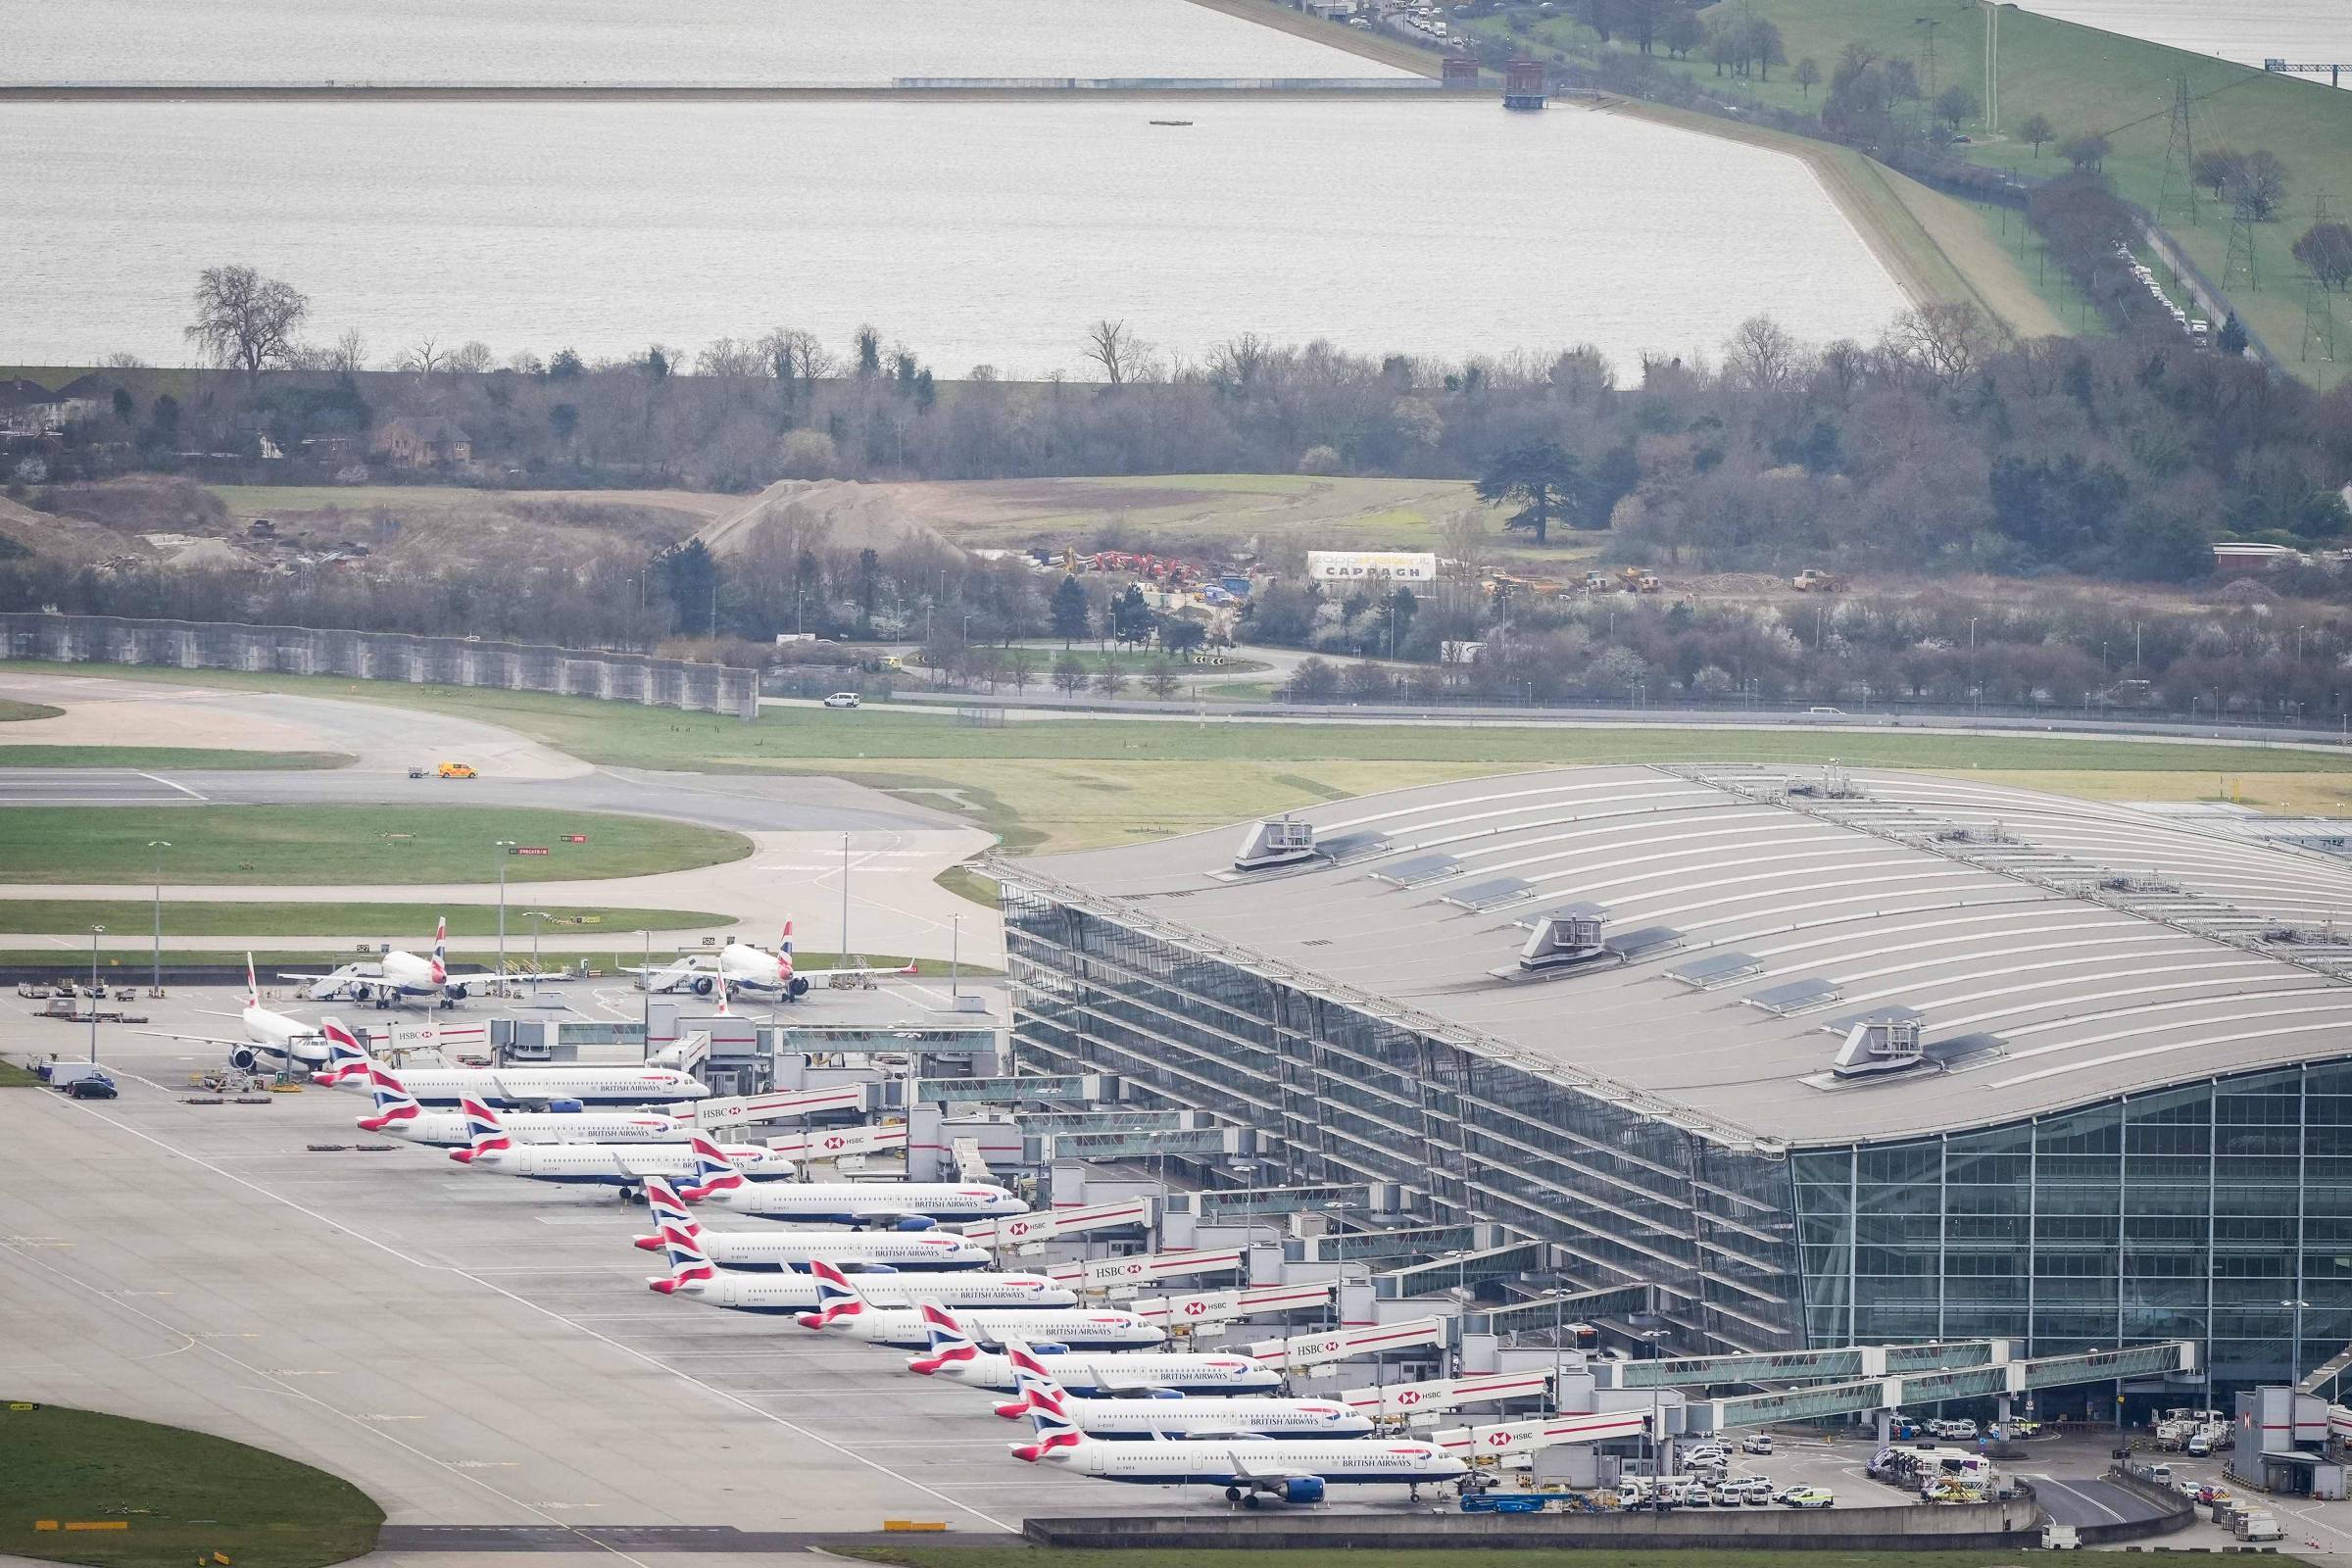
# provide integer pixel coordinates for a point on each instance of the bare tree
(425, 358)
(244, 321)
(349, 354)
(471, 358)
(1762, 354)
(732, 360)
(1947, 339)
(1119, 351)
(792, 355)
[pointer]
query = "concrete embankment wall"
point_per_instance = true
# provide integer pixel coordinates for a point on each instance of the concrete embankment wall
(2179, 1513)
(1979, 1526)
(383, 656)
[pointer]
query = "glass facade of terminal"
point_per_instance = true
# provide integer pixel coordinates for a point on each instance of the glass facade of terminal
(2200, 1211)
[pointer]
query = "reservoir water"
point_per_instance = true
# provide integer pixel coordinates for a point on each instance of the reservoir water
(2248, 32)
(974, 232)
(609, 41)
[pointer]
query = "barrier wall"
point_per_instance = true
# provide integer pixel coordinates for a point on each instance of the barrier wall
(1955, 1526)
(383, 656)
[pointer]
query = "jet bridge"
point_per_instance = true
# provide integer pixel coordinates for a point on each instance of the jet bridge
(1862, 1396)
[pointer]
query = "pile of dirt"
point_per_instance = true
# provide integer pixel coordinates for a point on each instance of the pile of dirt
(76, 541)
(148, 502)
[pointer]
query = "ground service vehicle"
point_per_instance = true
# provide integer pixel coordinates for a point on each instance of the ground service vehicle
(2258, 1526)
(456, 770)
(841, 700)
(1756, 1442)
(1813, 580)
(1807, 1497)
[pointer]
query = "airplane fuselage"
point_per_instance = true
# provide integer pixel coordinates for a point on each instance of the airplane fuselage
(1226, 1463)
(867, 1202)
(1287, 1419)
(790, 1250)
(787, 1294)
(1189, 1372)
(528, 1086)
(447, 1128)
(616, 1164)
(1096, 1329)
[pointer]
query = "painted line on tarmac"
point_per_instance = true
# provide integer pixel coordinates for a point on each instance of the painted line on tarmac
(627, 1350)
(2084, 1496)
(168, 784)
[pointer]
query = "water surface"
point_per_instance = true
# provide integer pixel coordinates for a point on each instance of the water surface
(976, 232)
(609, 41)
(2248, 32)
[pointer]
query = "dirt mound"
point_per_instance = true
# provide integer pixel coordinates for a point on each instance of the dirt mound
(879, 516)
(178, 506)
(75, 541)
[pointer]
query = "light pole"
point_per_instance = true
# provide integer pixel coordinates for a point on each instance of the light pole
(956, 956)
(538, 919)
(504, 848)
(96, 932)
(645, 981)
(2294, 1350)
(844, 901)
(159, 846)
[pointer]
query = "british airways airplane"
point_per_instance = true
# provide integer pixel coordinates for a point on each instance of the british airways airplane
(906, 1206)
(842, 1308)
(954, 1354)
(627, 1165)
(1173, 1416)
(797, 1250)
(350, 1068)
(692, 1276)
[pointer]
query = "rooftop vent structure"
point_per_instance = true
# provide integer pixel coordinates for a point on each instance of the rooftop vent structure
(1277, 841)
(1884, 1045)
(1835, 784)
(1564, 937)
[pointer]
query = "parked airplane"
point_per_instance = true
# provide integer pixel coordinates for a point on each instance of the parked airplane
(908, 1205)
(954, 1353)
(796, 1249)
(625, 1165)
(1249, 1470)
(350, 1068)
(692, 1275)
(398, 1112)
(744, 965)
(397, 977)
(269, 1036)
(843, 1307)
(1173, 1417)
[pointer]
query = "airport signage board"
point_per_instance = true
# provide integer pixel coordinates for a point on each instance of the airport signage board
(529, 849)
(1347, 565)
(575, 838)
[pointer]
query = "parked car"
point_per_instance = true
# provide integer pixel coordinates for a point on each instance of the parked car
(2199, 1447)
(1756, 1442)
(1807, 1497)
(841, 700)
(1707, 1455)
(99, 1088)
(1758, 1493)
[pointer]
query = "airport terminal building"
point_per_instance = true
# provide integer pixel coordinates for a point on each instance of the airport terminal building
(1821, 1056)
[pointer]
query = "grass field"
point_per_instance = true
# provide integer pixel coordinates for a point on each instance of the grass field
(913, 1556)
(1085, 781)
(154, 758)
(184, 1496)
(13, 1076)
(413, 923)
(13, 711)
(356, 845)
(2088, 80)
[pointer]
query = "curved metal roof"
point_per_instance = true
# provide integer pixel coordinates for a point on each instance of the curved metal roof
(2054, 950)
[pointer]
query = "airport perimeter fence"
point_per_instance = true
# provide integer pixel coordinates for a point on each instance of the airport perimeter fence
(611, 677)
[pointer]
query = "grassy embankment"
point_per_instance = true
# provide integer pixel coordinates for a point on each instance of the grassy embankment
(1086, 781)
(357, 846)
(13, 1076)
(183, 758)
(406, 923)
(182, 1495)
(911, 1556)
(2088, 80)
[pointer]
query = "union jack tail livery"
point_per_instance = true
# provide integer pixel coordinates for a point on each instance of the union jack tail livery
(836, 1296)
(253, 987)
(1055, 1431)
(670, 1216)
(484, 1132)
(441, 951)
(346, 1058)
(393, 1101)
(1033, 1385)
(949, 1344)
(688, 1265)
(714, 1171)
(784, 947)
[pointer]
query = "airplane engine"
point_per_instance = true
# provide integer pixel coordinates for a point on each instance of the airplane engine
(1302, 1489)
(244, 1058)
(702, 985)
(914, 1222)
(455, 993)
(1050, 1348)
(797, 988)
(567, 1108)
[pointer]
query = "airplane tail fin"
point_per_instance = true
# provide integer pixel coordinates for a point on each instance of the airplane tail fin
(441, 951)
(484, 1132)
(347, 1060)
(689, 1265)
(949, 1345)
(1055, 1428)
(1033, 1384)
(714, 1171)
(393, 1101)
(837, 1300)
(669, 1215)
(253, 987)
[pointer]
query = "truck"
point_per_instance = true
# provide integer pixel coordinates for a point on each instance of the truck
(1814, 580)
(65, 1074)
(2258, 1526)
(1634, 580)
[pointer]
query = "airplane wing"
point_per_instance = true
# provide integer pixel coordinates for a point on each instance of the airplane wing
(1265, 1475)
(339, 974)
(204, 1040)
(861, 971)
